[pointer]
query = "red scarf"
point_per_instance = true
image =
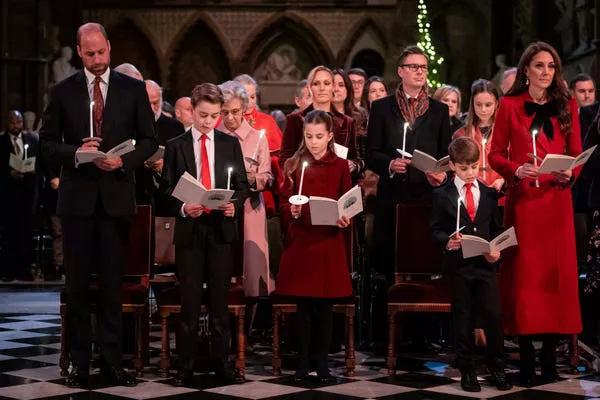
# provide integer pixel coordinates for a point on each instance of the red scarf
(413, 109)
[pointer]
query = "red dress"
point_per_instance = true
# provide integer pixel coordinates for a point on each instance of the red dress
(259, 120)
(538, 278)
(313, 263)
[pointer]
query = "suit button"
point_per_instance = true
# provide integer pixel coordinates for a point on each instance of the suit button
(530, 184)
(552, 184)
(475, 229)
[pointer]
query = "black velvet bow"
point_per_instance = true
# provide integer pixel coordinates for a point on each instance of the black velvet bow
(543, 113)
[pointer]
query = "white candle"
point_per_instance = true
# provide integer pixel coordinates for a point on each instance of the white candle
(26, 147)
(404, 139)
(262, 135)
(304, 165)
(535, 162)
(483, 143)
(229, 177)
(91, 119)
(458, 214)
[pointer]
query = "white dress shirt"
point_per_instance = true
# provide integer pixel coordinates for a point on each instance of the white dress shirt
(103, 84)
(462, 190)
(17, 142)
(210, 149)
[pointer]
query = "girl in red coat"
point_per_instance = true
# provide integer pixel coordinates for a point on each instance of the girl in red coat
(538, 279)
(313, 266)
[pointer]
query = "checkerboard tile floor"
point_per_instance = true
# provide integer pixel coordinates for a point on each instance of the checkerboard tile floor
(29, 347)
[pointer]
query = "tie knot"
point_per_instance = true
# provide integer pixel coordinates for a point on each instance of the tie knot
(97, 80)
(468, 186)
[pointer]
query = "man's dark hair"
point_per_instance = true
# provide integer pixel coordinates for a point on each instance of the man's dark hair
(358, 71)
(582, 77)
(412, 49)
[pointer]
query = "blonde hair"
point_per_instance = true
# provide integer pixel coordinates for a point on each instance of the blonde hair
(443, 90)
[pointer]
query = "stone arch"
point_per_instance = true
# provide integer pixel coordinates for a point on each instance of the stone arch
(364, 35)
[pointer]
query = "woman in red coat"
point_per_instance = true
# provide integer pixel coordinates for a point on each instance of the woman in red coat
(538, 279)
(313, 266)
(320, 82)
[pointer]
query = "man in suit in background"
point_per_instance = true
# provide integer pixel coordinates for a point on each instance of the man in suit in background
(96, 200)
(18, 200)
(205, 240)
(184, 112)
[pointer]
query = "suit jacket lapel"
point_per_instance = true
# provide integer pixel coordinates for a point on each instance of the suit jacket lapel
(111, 103)
(188, 154)
(81, 97)
(220, 174)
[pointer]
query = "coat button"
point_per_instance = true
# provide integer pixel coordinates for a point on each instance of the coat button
(530, 184)
(552, 184)
(475, 229)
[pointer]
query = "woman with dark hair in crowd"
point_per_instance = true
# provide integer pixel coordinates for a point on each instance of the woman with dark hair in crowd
(538, 278)
(343, 95)
(374, 90)
(450, 95)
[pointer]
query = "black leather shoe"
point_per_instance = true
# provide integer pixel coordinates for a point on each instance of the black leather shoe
(118, 377)
(301, 376)
(499, 379)
(469, 382)
(229, 377)
(78, 378)
(183, 377)
(549, 375)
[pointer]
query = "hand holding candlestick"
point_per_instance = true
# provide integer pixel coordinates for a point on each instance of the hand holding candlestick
(406, 124)
(299, 199)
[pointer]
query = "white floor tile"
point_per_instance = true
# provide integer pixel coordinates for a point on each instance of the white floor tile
(35, 317)
(5, 345)
(146, 390)
(39, 374)
(36, 390)
(366, 389)
(256, 390)
(48, 358)
(487, 392)
(573, 386)
(23, 325)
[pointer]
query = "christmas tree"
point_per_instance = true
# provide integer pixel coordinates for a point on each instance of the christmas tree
(435, 61)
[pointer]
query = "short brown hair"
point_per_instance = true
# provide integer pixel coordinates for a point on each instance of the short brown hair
(463, 150)
(208, 92)
(412, 49)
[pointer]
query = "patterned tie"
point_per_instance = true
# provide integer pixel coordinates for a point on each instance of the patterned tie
(98, 106)
(18, 151)
(204, 167)
(470, 201)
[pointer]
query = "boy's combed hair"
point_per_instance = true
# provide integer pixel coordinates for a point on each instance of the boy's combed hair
(463, 150)
(208, 92)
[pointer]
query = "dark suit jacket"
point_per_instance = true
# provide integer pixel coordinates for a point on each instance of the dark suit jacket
(487, 224)
(18, 195)
(127, 115)
(179, 158)
(581, 187)
(430, 133)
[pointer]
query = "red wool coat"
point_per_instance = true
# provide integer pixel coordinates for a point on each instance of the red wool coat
(538, 278)
(313, 263)
(260, 120)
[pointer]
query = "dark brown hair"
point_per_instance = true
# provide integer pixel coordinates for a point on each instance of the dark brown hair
(313, 117)
(463, 150)
(349, 107)
(412, 49)
(557, 90)
(582, 77)
(208, 92)
(368, 83)
(480, 86)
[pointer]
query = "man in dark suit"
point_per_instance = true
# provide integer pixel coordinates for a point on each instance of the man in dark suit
(96, 200)
(428, 131)
(18, 200)
(205, 239)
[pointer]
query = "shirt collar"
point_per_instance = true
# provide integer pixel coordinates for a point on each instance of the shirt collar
(20, 135)
(459, 183)
(196, 134)
(90, 77)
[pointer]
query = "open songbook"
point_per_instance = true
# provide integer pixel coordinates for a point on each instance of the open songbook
(21, 165)
(324, 211)
(426, 163)
(473, 246)
(86, 156)
(160, 153)
(341, 151)
(190, 191)
(560, 162)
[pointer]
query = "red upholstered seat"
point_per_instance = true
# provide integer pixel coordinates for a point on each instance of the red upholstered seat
(420, 292)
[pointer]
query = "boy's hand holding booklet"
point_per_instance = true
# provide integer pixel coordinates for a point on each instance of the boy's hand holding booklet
(84, 156)
(190, 191)
(473, 246)
(324, 211)
(560, 162)
(426, 163)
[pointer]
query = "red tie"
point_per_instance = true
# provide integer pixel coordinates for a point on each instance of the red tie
(98, 106)
(205, 168)
(470, 201)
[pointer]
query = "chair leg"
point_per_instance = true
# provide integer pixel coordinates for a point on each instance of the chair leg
(240, 361)
(64, 351)
(391, 356)
(276, 359)
(165, 362)
(574, 360)
(350, 353)
(139, 339)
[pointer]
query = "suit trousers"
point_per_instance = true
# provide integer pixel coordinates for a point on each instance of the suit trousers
(209, 260)
(95, 245)
(475, 292)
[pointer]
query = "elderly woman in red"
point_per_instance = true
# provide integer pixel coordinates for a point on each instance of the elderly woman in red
(538, 279)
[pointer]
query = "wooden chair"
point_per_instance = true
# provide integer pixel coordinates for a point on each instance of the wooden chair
(417, 256)
(283, 305)
(169, 298)
(134, 291)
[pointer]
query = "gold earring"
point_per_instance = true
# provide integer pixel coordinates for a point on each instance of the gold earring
(527, 81)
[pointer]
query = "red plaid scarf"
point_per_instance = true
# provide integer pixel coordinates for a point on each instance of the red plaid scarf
(413, 109)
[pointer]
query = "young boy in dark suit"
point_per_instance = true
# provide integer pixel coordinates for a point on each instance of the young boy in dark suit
(473, 281)
(205, 239)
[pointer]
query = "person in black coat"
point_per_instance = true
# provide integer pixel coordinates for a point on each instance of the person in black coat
(18, 200)
(96, 200)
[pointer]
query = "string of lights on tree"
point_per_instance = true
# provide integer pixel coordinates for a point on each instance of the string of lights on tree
(433, 76)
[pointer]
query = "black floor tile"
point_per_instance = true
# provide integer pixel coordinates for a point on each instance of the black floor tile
(52, 330)
(311, 383)
(88, 396)
(200, 382)
(11, 380)
(415, 380)
(17, 364)
(94, 383)
(30, 351)
(424, 395)
(36, 341)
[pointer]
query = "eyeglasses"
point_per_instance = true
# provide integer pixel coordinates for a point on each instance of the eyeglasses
(235, 112)
(415, 67)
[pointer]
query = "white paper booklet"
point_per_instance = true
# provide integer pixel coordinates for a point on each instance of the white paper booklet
(86, 156)
(341, 151)
(426, 163)
(561, 162)
(324, 211)
(23, 166)
(190, 191)
(473, 246)
(160, 153)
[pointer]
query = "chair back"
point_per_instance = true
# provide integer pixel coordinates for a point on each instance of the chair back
(137, 254)
(164, 249)
(416, 251)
